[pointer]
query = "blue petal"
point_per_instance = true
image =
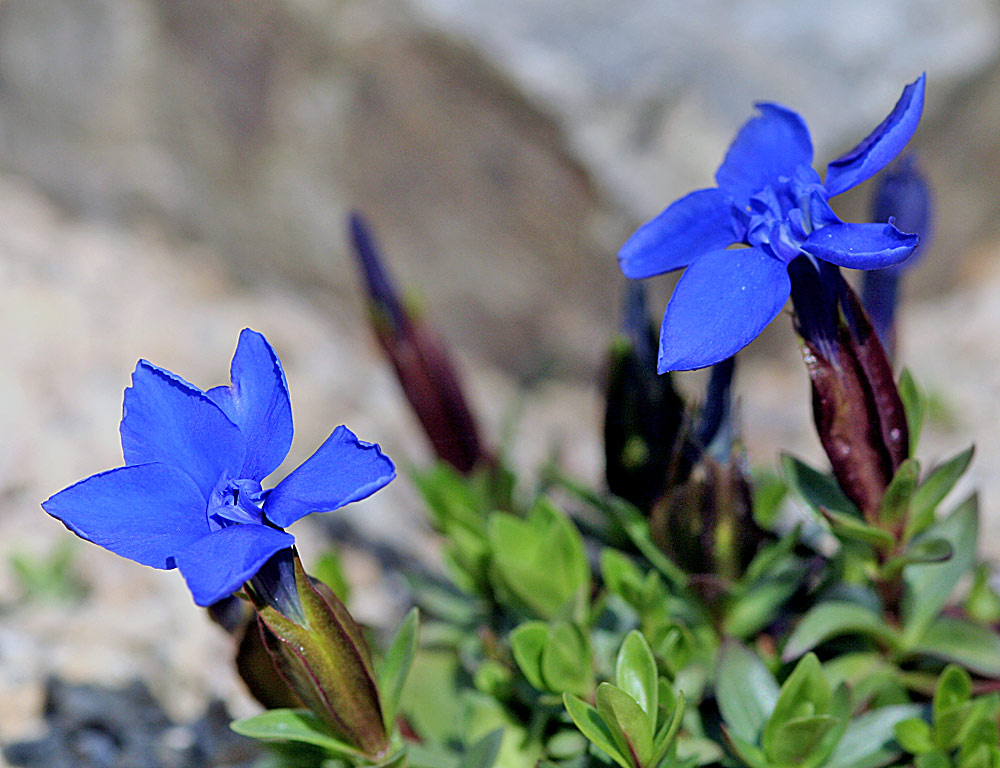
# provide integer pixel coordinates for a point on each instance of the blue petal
(771, 145)
(257, 402)
(169, 420)
(721, 304)
(217, 565)
(145, 512)
(342, 470)
(697, 223)
(878, 149)
(860, 246)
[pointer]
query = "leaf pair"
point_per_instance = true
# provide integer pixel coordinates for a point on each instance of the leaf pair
(804, 723)
(637, 718)
(539, 561)
(958, 722)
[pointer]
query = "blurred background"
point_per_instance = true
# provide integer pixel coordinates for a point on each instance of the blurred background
(172, 171)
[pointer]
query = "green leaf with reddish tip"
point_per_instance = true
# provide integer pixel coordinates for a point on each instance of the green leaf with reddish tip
(627, 721)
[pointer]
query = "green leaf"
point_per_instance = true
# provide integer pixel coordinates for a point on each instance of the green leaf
(954, 688)
(929, 585)
(933, 760)
(636, 527)
(818, 490)
(850, 528)
(769, 491)
(914, 735)
(923, 551)
(746, 751)
(622, 711)
(896, 501)
(796, 740)
(484, 752)
(635, 673)
(745, 691)
(527, 643)
(541, 560)
(299, 725)
(806, 693)
(433, 678)
(832, 619)
(933, 490)
(914, 406)
(396, 666)
(667, 732)
(753, 610)
(328, 569)
(975, 647)
(593, 726)
(982, 604)
(868, 739)
(566, 660)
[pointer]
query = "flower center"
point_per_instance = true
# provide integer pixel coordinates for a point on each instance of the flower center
(778, 218)
(235, 501)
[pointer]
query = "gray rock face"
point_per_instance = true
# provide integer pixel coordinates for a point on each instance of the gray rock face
(254, 127)
(650, 92)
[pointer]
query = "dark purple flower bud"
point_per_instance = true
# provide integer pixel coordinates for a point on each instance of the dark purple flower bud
(421, 361)
(903, 197)
(643, 416)
(857, 409)
(706, 524)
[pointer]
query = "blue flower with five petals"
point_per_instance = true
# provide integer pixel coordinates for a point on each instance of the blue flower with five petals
(190, 495)
(770, 199)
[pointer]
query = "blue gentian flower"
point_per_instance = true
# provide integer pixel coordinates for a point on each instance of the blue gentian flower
(770, 199)
(190, 495)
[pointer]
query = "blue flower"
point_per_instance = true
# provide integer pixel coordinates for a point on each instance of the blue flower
(190, 495)
(768, 198)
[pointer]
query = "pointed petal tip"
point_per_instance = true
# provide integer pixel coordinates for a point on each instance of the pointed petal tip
(344, 469)
(697, 223)
(882, 145)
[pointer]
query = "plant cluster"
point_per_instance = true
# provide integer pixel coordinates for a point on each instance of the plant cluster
(689, 614)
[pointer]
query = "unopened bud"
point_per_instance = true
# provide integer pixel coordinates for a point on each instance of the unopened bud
(321, 653)
(421, 362)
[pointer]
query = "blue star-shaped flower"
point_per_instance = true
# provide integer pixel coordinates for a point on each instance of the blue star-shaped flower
(769, 198)
(189, 495)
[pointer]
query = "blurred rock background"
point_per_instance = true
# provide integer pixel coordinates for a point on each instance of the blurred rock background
(174, 170)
